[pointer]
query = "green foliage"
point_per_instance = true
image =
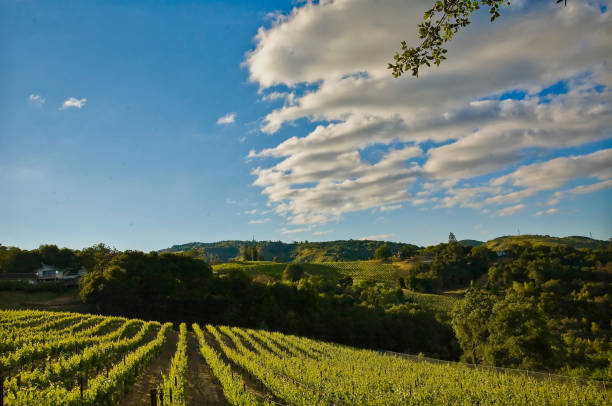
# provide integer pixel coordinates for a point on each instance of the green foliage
(39, 355)
(470, 317)
(453, 265)
(298, 371)
(149, 281)
(250, 253)
(374, 315)
(383, 252)
(15, 260)
(173, 384)
(408, 252)
(439, 26)
(293, 273)
(328, 251)
(519, 336)
(545, 307)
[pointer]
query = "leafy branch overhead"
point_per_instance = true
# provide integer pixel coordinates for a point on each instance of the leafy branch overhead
(440, 25)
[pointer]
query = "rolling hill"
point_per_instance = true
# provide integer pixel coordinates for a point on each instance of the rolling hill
(328, 251)
(504, 242)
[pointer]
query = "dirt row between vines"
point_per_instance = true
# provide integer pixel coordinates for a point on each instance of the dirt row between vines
(254, 385)
(201, 387)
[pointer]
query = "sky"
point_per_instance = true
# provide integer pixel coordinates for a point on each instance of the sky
(146, 124)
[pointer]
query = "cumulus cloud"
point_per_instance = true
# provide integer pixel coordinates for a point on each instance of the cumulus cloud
(260, 221)
(438, 131)
(393, 207)
(549, 211)
(229, 118)
(73, 102)
(36, 99)
(510, 210)
(297, 230)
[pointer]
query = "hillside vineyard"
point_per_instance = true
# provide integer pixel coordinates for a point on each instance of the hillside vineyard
(53, 358)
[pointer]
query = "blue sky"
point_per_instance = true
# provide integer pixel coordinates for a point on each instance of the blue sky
(111, 124)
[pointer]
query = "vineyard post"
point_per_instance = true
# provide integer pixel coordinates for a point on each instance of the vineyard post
(161, 397)
(18, 381)
(81, 384)
(153, 397)
(170, 395)
(1, 390)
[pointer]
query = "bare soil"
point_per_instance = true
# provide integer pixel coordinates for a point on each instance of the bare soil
(140, 392)
(202, 388)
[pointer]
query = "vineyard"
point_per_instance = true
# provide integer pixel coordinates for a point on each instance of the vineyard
(359, 271)
(80, 359)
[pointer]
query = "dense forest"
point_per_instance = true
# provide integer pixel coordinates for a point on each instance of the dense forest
(540, 307)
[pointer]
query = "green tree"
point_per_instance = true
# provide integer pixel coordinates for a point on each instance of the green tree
(96, 255)
(469, 320)
(293, 273)
(408, 251)
(16, 260)
(439, 26)
(383, 252)
(519, 336)
(246, 253)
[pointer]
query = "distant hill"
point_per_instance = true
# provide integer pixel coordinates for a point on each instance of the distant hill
(471, 243)
(504, 242)
(357, 250)
(328, 251)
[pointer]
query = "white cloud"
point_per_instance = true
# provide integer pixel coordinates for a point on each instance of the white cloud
(230, 201)
(510, 210)
(391, 208)
(321, 232)
(549, 211)
(73, 102)
(229, 118)
(580, 190)
(260, 221)
(379, 237)
(298, 230)
(321, 175)
(36, 99)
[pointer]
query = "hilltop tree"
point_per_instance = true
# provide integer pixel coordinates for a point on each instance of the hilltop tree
(441, 23)
(408, 251)
(383, 252)
(451, 238)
